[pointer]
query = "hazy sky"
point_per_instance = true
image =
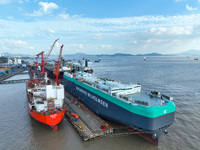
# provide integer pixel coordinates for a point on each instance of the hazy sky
(99, 26)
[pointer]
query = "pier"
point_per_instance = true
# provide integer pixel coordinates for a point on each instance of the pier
(14, 81)
(23, 73)
(88, 125)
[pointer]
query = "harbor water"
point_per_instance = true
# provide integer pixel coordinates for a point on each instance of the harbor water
(178, 77)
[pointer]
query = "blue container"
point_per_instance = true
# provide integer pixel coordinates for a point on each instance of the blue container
(74, 119)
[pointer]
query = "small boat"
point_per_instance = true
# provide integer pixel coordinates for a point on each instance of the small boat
(97, 60)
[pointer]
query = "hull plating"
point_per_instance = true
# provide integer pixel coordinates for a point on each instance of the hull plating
(52, 119)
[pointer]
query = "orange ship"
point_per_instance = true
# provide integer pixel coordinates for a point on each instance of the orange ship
(45, 101)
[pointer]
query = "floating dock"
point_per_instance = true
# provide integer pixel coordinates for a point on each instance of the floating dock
(89, 125)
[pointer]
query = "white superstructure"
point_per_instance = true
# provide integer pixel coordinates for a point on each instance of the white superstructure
(46, 97)
(111, 87)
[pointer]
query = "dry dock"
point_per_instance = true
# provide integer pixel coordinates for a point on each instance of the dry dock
(88, 124)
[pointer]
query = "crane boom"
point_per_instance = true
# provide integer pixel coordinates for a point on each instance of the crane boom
(46, 58)
(60, 54)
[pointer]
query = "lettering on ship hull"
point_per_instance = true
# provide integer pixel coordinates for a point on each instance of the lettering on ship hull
(93, 97)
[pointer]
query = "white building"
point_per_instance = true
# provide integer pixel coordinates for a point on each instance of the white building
(10, 61)
(17, 61)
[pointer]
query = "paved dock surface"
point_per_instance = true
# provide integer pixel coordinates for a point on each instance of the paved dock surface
(89, 125)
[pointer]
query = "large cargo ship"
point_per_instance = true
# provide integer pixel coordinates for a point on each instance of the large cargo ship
(45, 101)
(148, 114)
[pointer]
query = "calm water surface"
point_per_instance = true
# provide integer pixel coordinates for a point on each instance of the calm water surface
(175, 76)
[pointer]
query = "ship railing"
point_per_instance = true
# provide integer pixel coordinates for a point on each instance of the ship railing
(106, 79)
(87, 82)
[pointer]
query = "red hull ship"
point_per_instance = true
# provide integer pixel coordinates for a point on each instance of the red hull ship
(45, 102)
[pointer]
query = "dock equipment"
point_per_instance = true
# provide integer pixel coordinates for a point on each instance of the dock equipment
(89, 125)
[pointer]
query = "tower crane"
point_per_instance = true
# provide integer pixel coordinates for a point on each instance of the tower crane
(57, 65)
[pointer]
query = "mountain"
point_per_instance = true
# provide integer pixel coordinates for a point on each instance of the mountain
(122, 54)
(76, 54)
(186, 53)
(150, 54)
(113, 55)
(191, 52)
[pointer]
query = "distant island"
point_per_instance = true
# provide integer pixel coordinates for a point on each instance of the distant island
(186, 53)
(117, 54)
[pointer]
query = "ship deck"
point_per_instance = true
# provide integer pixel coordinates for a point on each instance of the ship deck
(144, 97)
(140, 98)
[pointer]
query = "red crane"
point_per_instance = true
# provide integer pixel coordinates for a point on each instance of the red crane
(42, 61)
(36, 63)
(57, 65)
(46, 58)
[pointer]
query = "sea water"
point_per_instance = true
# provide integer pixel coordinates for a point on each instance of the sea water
(178, 77)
